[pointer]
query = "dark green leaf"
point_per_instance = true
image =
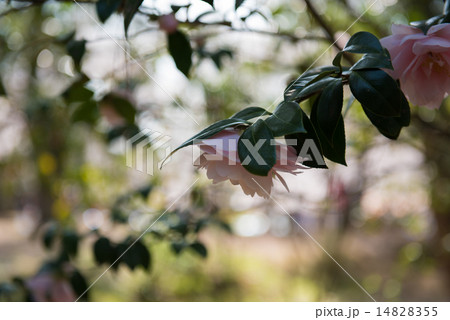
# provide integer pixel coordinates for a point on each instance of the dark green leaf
(77, 92)
(286, 119)
(391, 127)
(334, 151)
(49, 236)
(238, 4)
(363, 42)
(86, 112)
(250, 113)
(337, 59)
(200, 249)
(376, 91)
(210, 131)
(130, 9)
(121, 105)
(256, 149)
(76, 49)
(217, 57)
(79, 285)
(181, 51)
(425, 25)
(105, 8)
(210, 2)
(2, 88)
(329, 108)
(104, 252)
(308, 145)
(373, 61)
(137, 255)
(70, 242)
(178, 246)
(312, 87)
(295, 87)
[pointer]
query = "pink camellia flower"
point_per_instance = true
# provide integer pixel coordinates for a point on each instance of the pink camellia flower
(421, 62)
(221, 160)
(47, 287)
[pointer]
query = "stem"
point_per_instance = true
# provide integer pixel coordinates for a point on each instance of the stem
(447, 7)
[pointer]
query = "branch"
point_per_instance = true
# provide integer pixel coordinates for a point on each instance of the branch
(329, 33)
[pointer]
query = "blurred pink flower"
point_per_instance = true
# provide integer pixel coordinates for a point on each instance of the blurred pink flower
(221, 160)
(421, 62)
(168, 23)
(46, 287)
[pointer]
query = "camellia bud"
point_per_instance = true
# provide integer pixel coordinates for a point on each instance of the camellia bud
(168, 23)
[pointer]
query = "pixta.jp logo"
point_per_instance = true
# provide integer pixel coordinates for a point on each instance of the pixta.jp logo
(145, 149)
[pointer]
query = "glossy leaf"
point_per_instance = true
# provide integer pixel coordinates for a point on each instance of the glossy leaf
(200, 249)
(363, 42)
(302, 140)
(104, 252)
(2, 88)
(391, 127)
(123, 106)
(373, 61)
(256, 149)
(376, 91)
(105, 8)
(210, 2)
(181, 51)
(86, 112)
(137, 255)
(250, 113)
(70, 242)
(76, 49)
(334, 151)
(238, 4)
(211, 130)
(329, 108)
(130, 9)
(286, 119)
(50, 236)
(294, 91)
(79, 285)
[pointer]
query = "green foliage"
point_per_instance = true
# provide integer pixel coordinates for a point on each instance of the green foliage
(2, 88)
(262, 157)
(210, 2)
(132, 253)
(79, 285)
(105, 8)
(250, 113)
(302, 138)
(129, 11)
(181, 51)
(199, 248)
(121, 105)
(212, 130)
(49, 236)
(286, 119)
(76, 49)
(70, 241)
(334, 150)
(238, 4)
(104, 252)
(329, 108)
(377, 92)
(363, 42)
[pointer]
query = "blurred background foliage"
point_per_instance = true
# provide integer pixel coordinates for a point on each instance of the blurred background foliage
(73, 89)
